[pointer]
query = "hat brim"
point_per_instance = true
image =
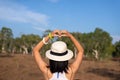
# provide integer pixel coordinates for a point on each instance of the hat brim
(66, 57)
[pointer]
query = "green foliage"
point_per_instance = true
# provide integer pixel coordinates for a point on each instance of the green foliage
(97, 42)
(46, 32)
(28, 41)
(116, 53)
(104, 42)
(6, 39)
(6, 33)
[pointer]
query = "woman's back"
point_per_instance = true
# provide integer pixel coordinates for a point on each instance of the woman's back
(59, 75)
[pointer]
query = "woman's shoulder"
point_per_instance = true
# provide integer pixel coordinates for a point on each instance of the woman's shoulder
(69, 73)
(48, 73)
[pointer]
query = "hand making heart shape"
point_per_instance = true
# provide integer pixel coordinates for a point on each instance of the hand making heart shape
(60, 33)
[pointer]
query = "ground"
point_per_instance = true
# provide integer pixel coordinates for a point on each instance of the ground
(23, 67)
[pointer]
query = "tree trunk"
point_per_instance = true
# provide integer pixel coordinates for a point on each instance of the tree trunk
(25, 50)
(75, 52)
(32, 49)
(3, 48)
(95, 53)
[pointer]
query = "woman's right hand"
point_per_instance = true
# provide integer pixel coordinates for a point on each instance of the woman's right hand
(56, 33)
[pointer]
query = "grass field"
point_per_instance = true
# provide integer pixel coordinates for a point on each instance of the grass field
(23, 67)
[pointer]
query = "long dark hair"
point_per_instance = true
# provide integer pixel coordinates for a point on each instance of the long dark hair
(58, 66)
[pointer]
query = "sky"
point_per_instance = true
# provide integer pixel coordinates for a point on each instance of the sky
(36, 16)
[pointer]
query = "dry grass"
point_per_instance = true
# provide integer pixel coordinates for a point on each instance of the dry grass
(23, 67)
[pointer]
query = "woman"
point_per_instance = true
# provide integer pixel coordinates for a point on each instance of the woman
(58, 55)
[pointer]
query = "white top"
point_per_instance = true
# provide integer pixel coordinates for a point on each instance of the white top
(58, 76)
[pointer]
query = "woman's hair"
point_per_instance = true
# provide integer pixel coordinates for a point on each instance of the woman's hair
(58, 66)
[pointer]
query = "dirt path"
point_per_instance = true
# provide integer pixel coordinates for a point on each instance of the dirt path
(23, 67)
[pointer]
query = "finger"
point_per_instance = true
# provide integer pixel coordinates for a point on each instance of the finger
(55, 31)
(63, 35)
(58, 32)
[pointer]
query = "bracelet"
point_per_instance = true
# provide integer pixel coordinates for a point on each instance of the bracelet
(44, 41)
(50, 36)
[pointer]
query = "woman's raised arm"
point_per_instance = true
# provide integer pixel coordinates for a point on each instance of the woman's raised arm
(36, 51)
(75, 65)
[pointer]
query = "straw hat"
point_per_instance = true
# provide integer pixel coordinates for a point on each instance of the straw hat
(59, 52)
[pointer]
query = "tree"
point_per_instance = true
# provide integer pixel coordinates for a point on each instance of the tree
(116, 53)
(26, 43)
(17, 45)
(6, 39)
(98, 43)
